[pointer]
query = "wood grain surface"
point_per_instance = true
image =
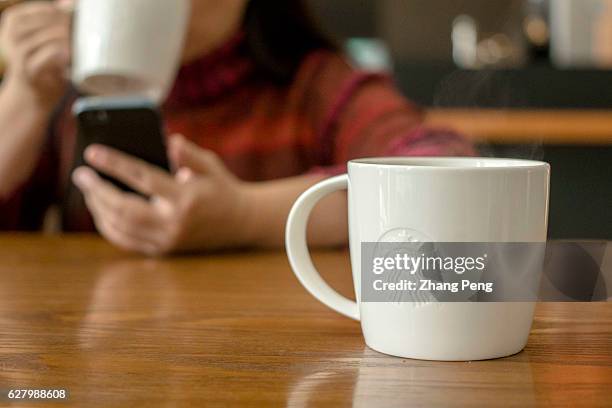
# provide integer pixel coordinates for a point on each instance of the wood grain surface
(238, 330)
(515, 126)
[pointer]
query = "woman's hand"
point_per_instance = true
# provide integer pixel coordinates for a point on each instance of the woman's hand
(35, 43)
(203, 207)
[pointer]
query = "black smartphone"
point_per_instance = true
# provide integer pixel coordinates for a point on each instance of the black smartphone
(131, 125)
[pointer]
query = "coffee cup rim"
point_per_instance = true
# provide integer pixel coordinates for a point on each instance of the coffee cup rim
(450, 163)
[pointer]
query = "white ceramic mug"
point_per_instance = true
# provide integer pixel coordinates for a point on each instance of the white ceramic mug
(128, 47)
(432, 200)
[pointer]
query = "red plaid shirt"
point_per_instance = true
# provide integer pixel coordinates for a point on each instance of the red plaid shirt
(330, 114)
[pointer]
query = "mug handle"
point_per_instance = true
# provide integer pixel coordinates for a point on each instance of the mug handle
(297, 248)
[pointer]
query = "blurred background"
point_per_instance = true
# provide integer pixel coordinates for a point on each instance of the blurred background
(525, 78)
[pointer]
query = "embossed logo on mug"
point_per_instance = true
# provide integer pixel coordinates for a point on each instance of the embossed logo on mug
(385, 249)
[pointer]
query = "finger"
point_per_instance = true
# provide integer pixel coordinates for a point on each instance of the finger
(184, 175)
(118, 235)
(28, 9)
(42, 38)
(18, 20)
(49, 61)
(187, 154)
(125, 208)
(35, 24)
(135, 173)
(127, 218)
(128, 214)
(66, 6)
(123, 241)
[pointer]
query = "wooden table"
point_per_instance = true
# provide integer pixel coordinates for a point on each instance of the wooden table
(237, 329)
(516, 126)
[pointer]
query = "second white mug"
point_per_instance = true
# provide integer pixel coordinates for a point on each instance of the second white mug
(128, 47)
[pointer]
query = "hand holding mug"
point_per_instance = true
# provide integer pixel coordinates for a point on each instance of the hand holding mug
(35, 41)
